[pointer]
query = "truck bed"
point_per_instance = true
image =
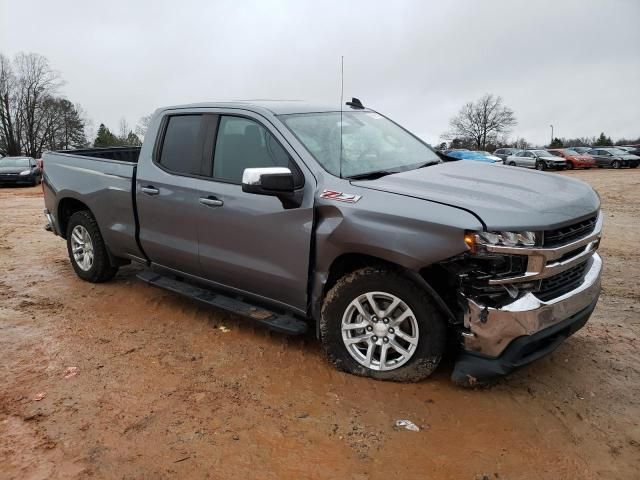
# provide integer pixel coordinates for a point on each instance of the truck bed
(122, 154)
(103, 179)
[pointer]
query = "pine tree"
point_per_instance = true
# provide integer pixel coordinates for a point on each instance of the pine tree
(603, 141)
(105, 138)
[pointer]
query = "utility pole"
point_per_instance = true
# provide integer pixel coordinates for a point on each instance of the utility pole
(551, 135)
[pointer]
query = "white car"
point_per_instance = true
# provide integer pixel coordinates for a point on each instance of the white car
(538, 159)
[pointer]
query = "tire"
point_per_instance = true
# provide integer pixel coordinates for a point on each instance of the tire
(633, 165)
(82, 228)
(512, 164)
(616, 164)
(569, 166)
(540, 165)
(429, 336)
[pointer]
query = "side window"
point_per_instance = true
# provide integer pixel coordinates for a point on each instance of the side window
(243, 143)
(184, 143)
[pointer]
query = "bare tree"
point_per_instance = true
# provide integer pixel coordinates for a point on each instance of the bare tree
(32, 117)
(143, 126)
(37, 85)
(482, 121)
(9, 111)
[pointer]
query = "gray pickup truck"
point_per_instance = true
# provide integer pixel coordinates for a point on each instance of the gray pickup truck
(297, 215)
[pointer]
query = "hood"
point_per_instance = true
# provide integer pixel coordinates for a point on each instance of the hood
(629, 156)
(13, 169)
(502, 197)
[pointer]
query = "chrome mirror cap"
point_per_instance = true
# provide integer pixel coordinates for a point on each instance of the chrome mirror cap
(253, 176)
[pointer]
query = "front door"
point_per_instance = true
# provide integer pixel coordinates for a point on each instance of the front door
(251, 242)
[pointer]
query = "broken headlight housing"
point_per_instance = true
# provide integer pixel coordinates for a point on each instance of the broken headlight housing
(505, 239)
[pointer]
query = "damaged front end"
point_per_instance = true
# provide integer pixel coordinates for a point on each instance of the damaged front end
(519, 302)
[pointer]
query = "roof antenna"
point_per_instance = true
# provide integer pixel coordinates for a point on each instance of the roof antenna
(341, 95)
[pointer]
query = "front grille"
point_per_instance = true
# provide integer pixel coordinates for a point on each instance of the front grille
(564, 235)
(561, 283)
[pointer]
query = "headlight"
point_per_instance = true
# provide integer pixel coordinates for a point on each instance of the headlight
(25, 172)
(507, 239)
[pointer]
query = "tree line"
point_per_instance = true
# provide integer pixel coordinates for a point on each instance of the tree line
(34, 117)
(486, 124)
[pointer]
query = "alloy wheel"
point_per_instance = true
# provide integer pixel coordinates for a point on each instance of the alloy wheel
(82, 247)
(380, 331)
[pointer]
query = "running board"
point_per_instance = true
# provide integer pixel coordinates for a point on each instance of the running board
(284, 323)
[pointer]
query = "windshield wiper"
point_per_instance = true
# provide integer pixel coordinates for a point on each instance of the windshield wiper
(372, 175)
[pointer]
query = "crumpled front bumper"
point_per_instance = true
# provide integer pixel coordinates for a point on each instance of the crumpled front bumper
(498, 340)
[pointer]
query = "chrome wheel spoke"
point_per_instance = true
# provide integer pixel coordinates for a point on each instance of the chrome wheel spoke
(383, 355)
(358, 339)
(370, 348)
(372, 303)
(354, 326)
(398, 348)
(401, 318)
(406, 337)
(392, 306)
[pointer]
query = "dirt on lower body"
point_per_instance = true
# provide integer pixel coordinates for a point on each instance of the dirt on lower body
(167, 388)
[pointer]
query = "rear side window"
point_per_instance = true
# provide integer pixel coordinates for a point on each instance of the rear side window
(183, 147)
(243, 143)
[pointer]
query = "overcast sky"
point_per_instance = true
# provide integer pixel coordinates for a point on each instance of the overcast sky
(572, 63)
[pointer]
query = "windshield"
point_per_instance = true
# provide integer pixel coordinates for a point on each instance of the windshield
(14, 162)
(542, 153)
(617, 151)
(370, 142)
(568, 151)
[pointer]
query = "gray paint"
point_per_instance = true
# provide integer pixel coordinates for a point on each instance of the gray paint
(253, 245)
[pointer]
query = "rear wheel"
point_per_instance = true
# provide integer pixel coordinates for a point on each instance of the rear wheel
(377, 323)
(513, 164)
(633, 165)
(87, 251)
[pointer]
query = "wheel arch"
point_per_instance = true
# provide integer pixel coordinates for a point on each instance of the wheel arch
(66, 208)
(349, 262)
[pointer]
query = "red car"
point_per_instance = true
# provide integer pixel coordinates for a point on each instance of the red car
(573, 158)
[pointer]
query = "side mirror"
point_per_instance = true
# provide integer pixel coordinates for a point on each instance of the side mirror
(273, 181)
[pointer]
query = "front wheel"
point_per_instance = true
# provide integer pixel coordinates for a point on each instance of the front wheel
(377, 323)
(87, 251)
(512, 164)
(569, 166)
(633, 165)
(540, 165)
(616, 164)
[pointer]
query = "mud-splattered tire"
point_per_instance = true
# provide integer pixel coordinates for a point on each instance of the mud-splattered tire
(424, 326)
(99, 269)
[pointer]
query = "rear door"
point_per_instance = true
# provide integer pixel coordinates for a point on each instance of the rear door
(169, 187)
(253, 243)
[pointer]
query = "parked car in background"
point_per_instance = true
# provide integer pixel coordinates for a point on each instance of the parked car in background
(573, 158)
(503, 153)
(471, 155)
(580, 150)
(614, 157)
(491, 156)
(538, 159)
(19, 170)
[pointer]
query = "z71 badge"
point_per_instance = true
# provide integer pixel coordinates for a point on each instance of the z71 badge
(340, 196)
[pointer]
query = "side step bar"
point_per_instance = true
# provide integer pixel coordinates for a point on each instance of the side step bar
(284, 323)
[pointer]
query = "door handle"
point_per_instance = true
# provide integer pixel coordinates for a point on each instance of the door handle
(211, 202)
(150, 190)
